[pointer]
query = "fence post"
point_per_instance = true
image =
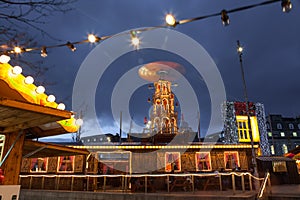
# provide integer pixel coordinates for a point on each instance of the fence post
(193, 183)
(104, 183)
(30, 182)
(220, 182)
(43, 182)
(168, 183)
(72, 183)
(233, 183)
(243, 183)
(145, 184)
(250, 182)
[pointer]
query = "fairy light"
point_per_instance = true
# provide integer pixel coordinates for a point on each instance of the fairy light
(61, 106)
(29, 80)
(44, 52)
(71, 46)
(170, 21)
(225, 18)
(135, 41)
(4, 58)
(93, 38)
(40, 89)
(18, 50)
(16, 70)
(51, 98)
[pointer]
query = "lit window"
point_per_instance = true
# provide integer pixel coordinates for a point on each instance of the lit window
(279, 126)
(295, 134)
(203, 161)
(38, 164)
(65, 164)
(270, 134)
(88, 140)
(282, 134)
(291, 126)
(94, 139)
(272, 149)
(284, 148)
(243, 130)
(82, 140)
(172, 162)
(231, 159)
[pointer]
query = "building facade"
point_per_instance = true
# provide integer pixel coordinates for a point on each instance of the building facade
(283, 133)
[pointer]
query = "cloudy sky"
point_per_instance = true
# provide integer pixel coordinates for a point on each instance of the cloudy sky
(271, 52)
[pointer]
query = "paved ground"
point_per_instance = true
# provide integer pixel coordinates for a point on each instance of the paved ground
(282, 192)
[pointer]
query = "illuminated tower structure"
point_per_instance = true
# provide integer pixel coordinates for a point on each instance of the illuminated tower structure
(163, 117)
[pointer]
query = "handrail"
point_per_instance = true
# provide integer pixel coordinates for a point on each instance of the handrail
(263, 186)
(126, 177)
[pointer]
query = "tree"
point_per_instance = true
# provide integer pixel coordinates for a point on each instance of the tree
(18, 18)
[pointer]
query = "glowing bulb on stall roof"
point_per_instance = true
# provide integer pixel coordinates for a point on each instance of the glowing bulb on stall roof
(40, 89)
(79, 122)
(4, 58)
(93, 38)
(29, 80)
(17, 70)
(61, 106)
(51, 98)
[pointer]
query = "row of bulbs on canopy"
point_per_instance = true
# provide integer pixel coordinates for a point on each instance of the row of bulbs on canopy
(16, 70)
(135, 40)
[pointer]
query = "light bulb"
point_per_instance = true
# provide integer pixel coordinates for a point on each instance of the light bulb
(51, 98)
(29, 80)
(79, 122)
(4, 58)
(17, 70)
(61, 106)
(40, 89)
(93, 38)
(17, 50)
(170, 20)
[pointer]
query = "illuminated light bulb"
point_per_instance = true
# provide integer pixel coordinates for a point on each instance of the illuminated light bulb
(18, 50)
(4, 58)
(240, 49)
(170, 20)
(61, 106)
(79, 122)
(29, 80)
(71, 46)
(225, 18)
(40, 89)
(44, 52)
(93, 38)
(286, 6)
(51, 98)
(135, 41)
(17, 70)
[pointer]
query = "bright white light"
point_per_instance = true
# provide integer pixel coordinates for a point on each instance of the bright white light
(4, 58)
(29, 80)
(79, 122)
(135, 41)
(17, 50)
(40, 89)
(51, 98)
(92, 38)
(17, 70)
(61, 106)
(240, 49)
(170, 20)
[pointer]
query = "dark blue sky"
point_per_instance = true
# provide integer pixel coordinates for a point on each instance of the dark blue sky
(269, 36)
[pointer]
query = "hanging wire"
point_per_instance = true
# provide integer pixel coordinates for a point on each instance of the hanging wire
(286, 6)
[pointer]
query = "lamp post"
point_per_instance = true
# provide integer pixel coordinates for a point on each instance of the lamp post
(240, 52)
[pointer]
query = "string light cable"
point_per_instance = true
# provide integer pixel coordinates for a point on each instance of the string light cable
(135, 40)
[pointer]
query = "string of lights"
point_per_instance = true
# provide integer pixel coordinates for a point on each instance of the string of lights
(170, 21)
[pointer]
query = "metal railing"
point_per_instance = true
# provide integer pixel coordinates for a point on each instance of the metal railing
(123, 183)
(264, 187)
